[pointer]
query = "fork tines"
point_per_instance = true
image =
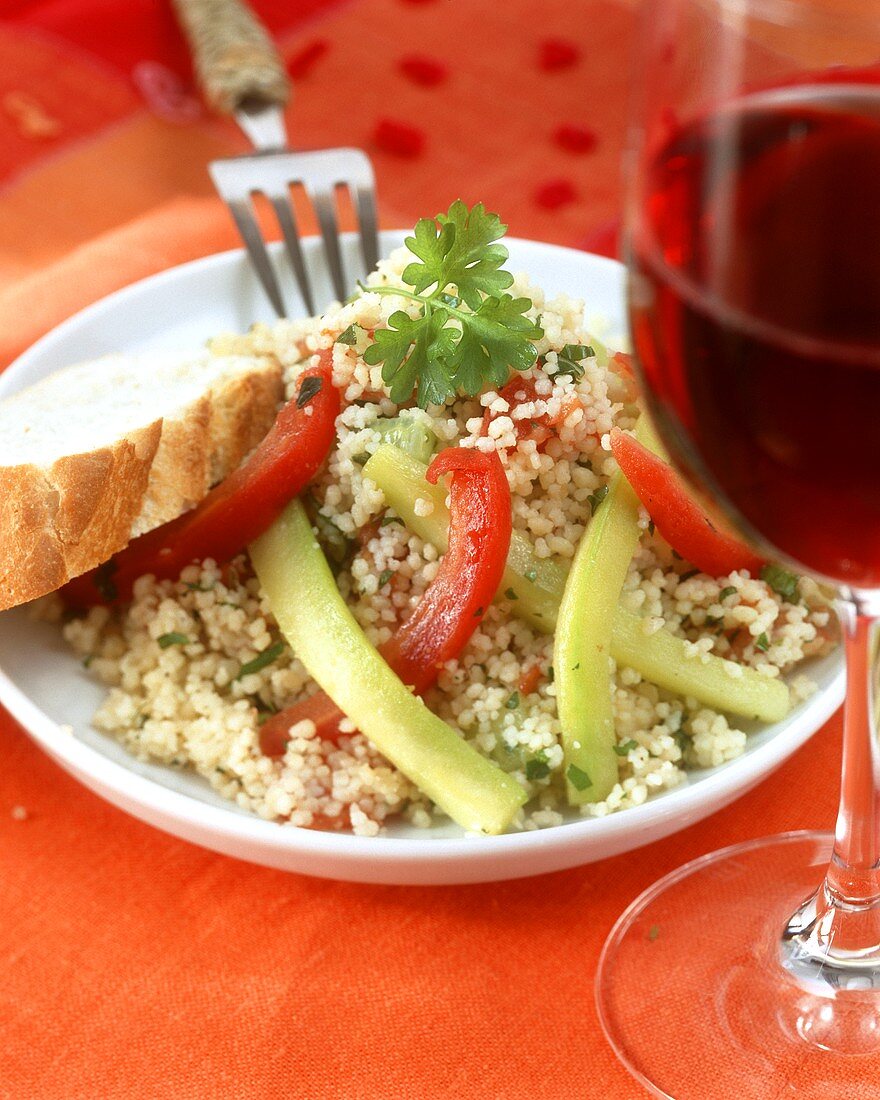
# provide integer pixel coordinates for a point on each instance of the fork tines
(320, 174)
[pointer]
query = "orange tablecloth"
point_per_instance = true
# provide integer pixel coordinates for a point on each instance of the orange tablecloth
(135, 965)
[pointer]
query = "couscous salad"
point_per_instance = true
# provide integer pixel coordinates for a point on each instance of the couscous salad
(458, 577)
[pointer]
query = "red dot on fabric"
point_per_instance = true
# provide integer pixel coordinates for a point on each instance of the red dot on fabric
(555, 193)
(302, 62)
(557, 53)
(399, 138)
(575, 139)
(423, 70)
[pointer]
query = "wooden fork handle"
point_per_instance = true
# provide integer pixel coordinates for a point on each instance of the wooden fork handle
(235, 59)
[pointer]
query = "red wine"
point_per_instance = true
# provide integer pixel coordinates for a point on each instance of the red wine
(755, 306)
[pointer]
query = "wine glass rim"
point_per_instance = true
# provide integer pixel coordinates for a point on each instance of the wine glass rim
(803, 13)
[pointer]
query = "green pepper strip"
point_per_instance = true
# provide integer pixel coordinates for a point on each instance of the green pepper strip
(582, 646)
(323, 633)
(538, 583)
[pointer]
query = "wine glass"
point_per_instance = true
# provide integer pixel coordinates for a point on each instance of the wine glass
(753, 247)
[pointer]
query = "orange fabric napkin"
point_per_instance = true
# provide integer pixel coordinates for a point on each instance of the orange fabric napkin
(184, 228)
(135, 965)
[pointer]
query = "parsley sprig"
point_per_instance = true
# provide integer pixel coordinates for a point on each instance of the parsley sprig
(457, 342)
(570, 360)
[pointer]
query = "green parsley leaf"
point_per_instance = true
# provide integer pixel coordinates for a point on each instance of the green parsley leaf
(571, 359)
(578, 778)
(596, 499)
(687, 576)
(456, 342)
(174, 638)
(551, 675)
(414, 353)
(261, 660)
(459, 248)
(510, 594)
(308, 389)
(626, 747)
(783, 583)
(513, 701)
(495, 339)
(537, 766)
(651, 527)
(653, 932)
(725, 592)
(763, 643)
(349, 336)
(264, 708)
(385, 576)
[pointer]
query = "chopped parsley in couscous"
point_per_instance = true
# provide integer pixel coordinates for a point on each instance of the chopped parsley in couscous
(198, 668)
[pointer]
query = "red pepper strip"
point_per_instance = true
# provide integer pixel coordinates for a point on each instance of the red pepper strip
(237, 510)
(471, 571)
(318, 708)
(678, 518)
(452, 607)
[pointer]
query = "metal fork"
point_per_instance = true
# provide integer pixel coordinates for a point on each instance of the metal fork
(241, 74)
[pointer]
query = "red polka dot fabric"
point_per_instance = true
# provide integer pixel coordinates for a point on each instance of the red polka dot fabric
(558, 53)
(399, 138)
(427, 71)
(135, 965)
(301, 63)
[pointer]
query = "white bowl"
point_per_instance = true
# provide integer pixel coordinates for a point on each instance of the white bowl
(49, 692)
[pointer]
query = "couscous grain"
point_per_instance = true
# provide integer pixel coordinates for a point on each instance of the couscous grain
(193, 703)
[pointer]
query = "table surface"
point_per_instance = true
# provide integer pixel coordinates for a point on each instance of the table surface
(133, 964)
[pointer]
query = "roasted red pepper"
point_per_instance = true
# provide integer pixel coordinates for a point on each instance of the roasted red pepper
(676, 515)
(237, 510)
(452, 607)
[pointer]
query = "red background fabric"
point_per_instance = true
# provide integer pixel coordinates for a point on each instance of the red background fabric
(133, 964)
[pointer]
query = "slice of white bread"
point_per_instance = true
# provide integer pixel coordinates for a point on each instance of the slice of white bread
(103, 451)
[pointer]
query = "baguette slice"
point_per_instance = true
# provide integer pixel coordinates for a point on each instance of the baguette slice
(103, 451)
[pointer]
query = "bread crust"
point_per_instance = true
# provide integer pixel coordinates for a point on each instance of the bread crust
(60, 521)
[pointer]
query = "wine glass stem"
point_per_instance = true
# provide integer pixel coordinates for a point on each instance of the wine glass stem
(852, 874)
(834, 938)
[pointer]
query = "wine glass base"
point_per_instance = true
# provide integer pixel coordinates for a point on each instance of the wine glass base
(696, 1003)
